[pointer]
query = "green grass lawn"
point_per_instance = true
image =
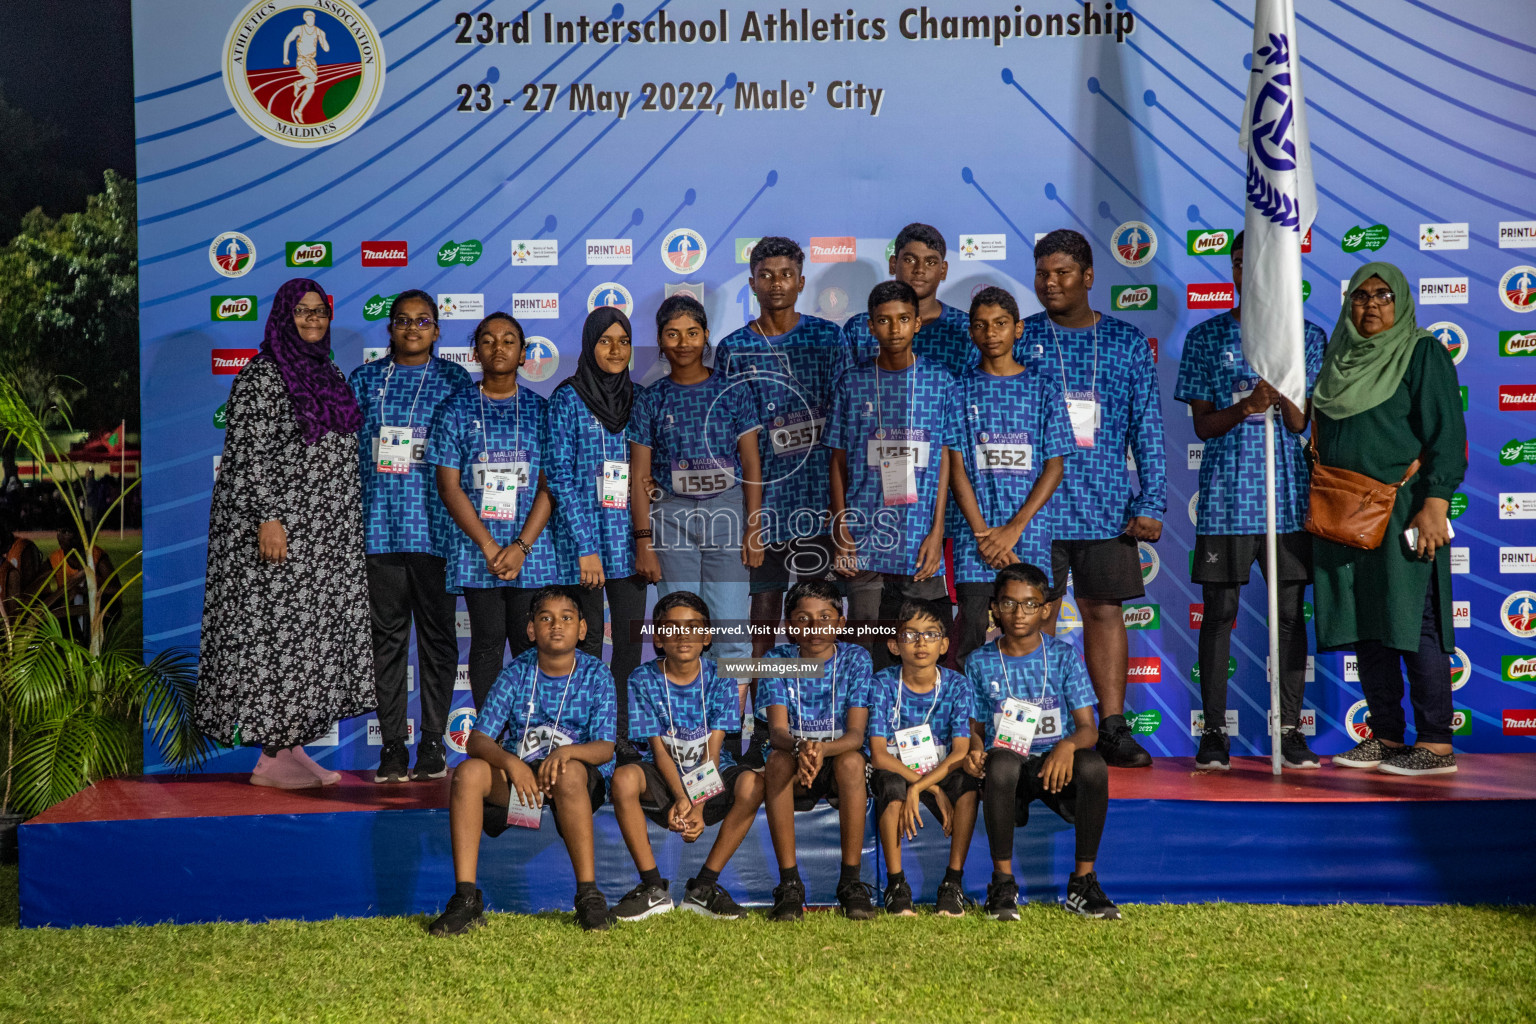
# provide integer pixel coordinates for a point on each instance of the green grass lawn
(1219, 962)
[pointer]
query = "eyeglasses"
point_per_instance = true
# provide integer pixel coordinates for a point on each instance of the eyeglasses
(1381, 298)
(311, 312)
(908, 260)
(1008, 605)
(405, 323)
(912, 636)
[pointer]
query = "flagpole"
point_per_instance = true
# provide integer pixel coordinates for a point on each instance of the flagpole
(1272, 579)
(122, 473)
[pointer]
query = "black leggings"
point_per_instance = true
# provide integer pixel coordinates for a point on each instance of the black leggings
(1013, 782)
(1216, 649)
(498, 616)
(626, 605)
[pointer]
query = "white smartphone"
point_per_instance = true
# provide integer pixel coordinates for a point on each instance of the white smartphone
(1411, 536)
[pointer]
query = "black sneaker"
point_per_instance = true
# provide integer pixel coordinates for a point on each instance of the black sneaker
(592, 912)
(1215, 751)
(1365, 754)
(431, 760)
(711, 900)
(788, 902)
(463, 913)
(857, 900)
(1086, 898)
(1294, 752)
(1003, 900)
(643, 901)
(951, 901)
(898, 900)
(1118, 747)
(394, 763)
(1418, 761)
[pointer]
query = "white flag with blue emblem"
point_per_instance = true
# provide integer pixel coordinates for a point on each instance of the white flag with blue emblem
(1282, 202)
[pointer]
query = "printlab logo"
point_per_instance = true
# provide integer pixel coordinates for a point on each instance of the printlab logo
(535, 252)
(536, 305)
(1517, 343)
(1124, 297)
(1194, 454)
(1517, 560)
(232, 307)
(392, 253)
(1518, 288)
(453, 253)
(1442, 291)
(377, 308)
(309, 254)
(301, 73)
(1372, 238)
(1134, 244)
(1518, 614)
(1517, 234)
(611, 293)
(1443, 236)
(460, 723)
(610, 252)
(1452, 337)
(462, 355)
(540, 360)
(683, 251)
(983, 247)
(232, 254)
(1150, 563)
(1461, 668)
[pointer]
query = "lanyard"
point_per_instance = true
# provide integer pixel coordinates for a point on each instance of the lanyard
(533, 695)
(832, 673)
(781, 357)
(1093, 385)
(410, 419)
(911, 394)
(602, 435)
(666, 692)
(1045, 671)
(517, 423)
(938, 687)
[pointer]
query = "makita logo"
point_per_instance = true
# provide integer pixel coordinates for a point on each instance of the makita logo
(1210, 296)
(231, 309)
(384, 254)
(1517, 397)
(1520, 722)
(1144, 670)
(833, 250)
(1196, 615)
(228, 361)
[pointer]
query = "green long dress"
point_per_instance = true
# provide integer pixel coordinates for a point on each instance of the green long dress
(1379, 595)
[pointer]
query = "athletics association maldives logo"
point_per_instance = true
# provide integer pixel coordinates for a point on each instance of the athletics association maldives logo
(611, 293)
(1150, 563)
(1461, 668)
(1452, 337)
(1518, 614)
(232, 254)
(460, 722)
(683, 251)
(540, 360)
(304, 73)
(1134, 244)
(1357, 721)
(1518, 289)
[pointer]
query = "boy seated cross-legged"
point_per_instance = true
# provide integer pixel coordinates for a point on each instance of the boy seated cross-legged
(552, 708)
(816, 739)
(1032, 738)
(680, 710)
(919, 738)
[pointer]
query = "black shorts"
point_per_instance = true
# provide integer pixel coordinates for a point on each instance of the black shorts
(889, 788)
(804, 558)
(822, 787)
(715, 808)
(1229, 558)
(495, 815)
(1102, 570)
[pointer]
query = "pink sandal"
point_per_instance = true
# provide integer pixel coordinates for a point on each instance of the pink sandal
(325, 776)
(283, 771)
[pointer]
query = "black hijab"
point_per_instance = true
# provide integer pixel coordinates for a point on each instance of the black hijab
(608, 395)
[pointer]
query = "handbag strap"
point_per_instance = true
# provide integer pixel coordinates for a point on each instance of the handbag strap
(1317, 459)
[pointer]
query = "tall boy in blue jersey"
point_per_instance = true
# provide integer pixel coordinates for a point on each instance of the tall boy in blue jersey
(553, 711)
(790, 361)
(889, 431)
(1015, 435)
(408, 534)
(918, 261)
(1107, 372)
(1228, 400)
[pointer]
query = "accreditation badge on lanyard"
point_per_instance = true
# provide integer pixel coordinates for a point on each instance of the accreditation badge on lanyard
(1016, 725)
(396, 450)
(916, 748)
(523, 815)
(499, 475)
(1084, 411)
(898, 455)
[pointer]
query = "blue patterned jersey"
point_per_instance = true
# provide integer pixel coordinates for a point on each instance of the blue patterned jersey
(1213, 370)
(528, 712)
(1008, 426)
(1052, 677)
(473, 432)
(878, 415)
(947, 340)
(818, 708)
(401, 511)
(791, 377)
(692, 430)
(1094, 500)
(579, 445)
(683, 716)
(946, 708)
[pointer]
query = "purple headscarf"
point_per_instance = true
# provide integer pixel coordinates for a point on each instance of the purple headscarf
(322, 401)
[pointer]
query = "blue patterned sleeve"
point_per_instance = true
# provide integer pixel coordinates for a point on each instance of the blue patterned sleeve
(882, 699)
(950, 432)
(496, 714)
(602, 716)
(836, 433)
(770, 691)
(573, 496)
(724, 700)
(1194, 382)
(1056, 438)
(976, 690)
(443, 444)
(642, 716)
(744, 410)
(860, 678)
(1146, 428)
(641, 429)
(1313, 345)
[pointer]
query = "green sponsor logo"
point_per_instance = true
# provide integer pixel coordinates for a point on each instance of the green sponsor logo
(1143, 616)
(1306, 611)
(1461, 722)
(232, 307)
(309, 254)
(1463, 390)
(1133, 296)
(1372, 238)
(890, 250)
(1515, 452)
(1143, 723)
(377, 308)
(1194, 672)
(1518, 669)
(1517, 343)
(1458, 504)
(1210, 243)
(1306, 290)
(463, 253)
(744, 249)
(220, 418)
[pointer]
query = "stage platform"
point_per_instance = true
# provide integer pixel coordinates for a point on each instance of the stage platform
(214, 848)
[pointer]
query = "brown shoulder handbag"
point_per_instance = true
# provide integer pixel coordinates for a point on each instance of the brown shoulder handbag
(1349, 508)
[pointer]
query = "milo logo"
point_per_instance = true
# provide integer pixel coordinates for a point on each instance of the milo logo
(1142, 616)
(1209, 243)
(1461, 722)
(1372, 238)
(463, 253)
(1140, 296)
(309, 254)
(233, 307)
(377, 308)
(1519, 669)
(1517, 343)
